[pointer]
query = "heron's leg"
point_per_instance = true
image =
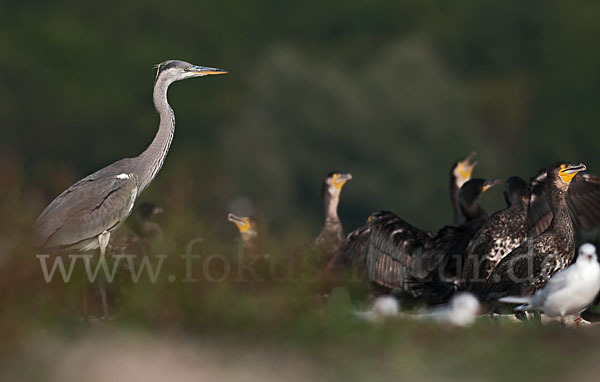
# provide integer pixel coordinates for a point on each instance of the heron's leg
(103, 239)
(85, 284)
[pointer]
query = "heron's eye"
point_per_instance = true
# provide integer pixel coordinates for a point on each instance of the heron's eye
(187, 68)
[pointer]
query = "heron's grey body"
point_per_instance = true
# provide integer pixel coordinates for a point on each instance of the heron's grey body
(83, 216)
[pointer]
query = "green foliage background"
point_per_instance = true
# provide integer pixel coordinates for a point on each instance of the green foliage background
(392, 91)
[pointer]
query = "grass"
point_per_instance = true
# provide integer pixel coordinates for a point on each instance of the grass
(247, 330)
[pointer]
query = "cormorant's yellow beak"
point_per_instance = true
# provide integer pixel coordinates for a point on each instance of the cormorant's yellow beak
(242, 223)
(338, 180)
(489, 184)
(204, 71)
(568, 171)
(465, 168)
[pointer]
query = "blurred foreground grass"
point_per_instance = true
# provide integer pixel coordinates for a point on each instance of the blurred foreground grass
(223, 330)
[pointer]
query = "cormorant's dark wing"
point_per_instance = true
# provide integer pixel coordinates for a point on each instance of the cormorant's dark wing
(584, 201)
(353, 249)
(395, 253)
(539, 215)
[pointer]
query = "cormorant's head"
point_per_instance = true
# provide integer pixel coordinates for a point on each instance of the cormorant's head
(587, 254)
(562, 173)
(516, 190)
(334, 181)
(472, 189)
(462, 170)
(175, 70)
(245, 224)
(147, 210)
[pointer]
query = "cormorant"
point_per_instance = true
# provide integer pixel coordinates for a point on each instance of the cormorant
(248, 227)
(583, 201)
(402, 257)
(526, 269)
(502, 232)
(460, 173)
(331, 235)
(354, 247)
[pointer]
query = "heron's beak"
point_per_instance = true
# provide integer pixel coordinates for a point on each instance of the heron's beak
(205, 71)
(489, 184)
(340, 179)
(568, 172)
(242, 223)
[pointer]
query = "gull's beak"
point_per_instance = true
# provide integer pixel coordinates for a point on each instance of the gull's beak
(341, 179)
(205, 71)
(489, 184)
(568, 172)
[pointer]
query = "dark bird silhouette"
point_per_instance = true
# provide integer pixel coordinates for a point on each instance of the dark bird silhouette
(526, 269)
(500, 234)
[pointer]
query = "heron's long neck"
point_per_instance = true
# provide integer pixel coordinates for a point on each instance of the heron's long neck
(151, 160)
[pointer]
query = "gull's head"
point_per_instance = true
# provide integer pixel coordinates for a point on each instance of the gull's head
(175, 70)
(587, 254)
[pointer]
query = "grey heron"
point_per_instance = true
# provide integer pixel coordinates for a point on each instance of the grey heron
(83, 217)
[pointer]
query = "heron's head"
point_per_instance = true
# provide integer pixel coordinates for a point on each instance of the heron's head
(245, 224)
(562, 173)
(175, 70)
(516, 191)
(462, 170)
(334, 181)
(587, 254)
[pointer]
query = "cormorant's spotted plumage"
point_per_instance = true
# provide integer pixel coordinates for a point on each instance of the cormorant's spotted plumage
(527, 268)
(501, 233)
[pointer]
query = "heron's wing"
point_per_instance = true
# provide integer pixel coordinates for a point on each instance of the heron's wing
(584, 201)
(85, 210)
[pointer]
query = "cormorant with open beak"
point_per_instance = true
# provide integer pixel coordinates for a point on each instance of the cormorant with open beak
(248, 228)
(460, 173)
(354, 246)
